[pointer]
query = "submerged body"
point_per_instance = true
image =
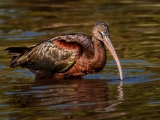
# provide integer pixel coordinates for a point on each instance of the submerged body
(66, 56)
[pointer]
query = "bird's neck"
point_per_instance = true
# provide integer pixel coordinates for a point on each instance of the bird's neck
(99, 54)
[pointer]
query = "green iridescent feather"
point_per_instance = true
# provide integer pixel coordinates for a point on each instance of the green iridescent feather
(46, 57)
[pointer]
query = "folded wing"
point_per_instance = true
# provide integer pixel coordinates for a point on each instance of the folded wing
(50, 56)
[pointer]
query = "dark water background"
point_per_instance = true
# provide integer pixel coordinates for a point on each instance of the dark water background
(135, 28)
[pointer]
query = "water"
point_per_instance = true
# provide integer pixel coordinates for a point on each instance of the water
(134, 27)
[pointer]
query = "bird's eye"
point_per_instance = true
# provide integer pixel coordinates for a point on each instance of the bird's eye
(101, 33)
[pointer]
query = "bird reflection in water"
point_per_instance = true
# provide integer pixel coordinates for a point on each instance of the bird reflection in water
(64, 98)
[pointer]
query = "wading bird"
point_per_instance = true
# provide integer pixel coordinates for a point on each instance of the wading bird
(66, 56)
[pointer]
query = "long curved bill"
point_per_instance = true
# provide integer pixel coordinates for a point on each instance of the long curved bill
(113, 52)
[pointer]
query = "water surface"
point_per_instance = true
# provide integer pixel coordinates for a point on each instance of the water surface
(134, 27)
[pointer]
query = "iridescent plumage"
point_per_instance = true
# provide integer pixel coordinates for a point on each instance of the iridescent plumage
(66, 56)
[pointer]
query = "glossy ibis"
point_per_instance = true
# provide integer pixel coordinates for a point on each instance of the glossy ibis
(66, 56)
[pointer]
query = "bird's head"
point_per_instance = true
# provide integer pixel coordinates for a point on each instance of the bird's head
(101, 32)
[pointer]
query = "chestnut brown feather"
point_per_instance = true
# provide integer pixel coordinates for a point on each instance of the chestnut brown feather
(66, 56)
(66, 45)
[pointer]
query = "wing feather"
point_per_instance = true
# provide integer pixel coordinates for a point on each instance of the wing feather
(49, 57)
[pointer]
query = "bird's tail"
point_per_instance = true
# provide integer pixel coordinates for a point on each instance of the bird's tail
(16, 53)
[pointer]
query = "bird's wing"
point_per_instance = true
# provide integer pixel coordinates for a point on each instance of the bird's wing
(51, 56)
(83, 40)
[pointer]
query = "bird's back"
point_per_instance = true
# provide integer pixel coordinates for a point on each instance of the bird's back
(47, 56)
(56, 55)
